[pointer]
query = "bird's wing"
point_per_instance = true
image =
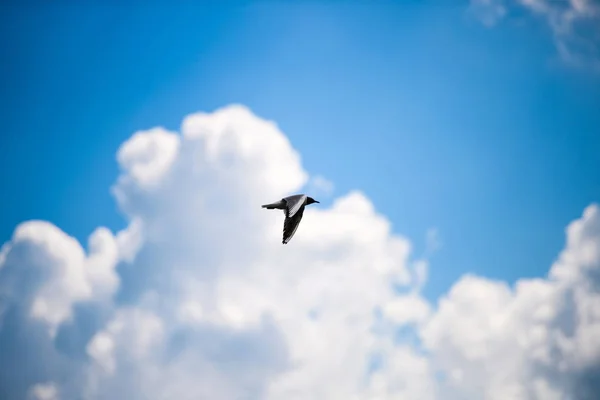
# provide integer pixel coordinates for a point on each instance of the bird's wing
(294, 204)
(290, 225)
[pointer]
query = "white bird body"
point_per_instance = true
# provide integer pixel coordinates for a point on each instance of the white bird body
(293, 208)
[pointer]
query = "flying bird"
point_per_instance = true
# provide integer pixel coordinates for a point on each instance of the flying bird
(293, 208)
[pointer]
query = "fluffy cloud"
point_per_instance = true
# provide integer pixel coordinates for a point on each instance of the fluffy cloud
(197, 298)
(575, 24)
(538, 340)
(53, 270)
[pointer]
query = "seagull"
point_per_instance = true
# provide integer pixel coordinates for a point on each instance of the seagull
(293, 208)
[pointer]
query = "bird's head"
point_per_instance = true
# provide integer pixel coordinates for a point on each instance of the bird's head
(310, 200)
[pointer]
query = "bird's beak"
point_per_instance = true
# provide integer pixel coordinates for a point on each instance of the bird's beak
(317, 201)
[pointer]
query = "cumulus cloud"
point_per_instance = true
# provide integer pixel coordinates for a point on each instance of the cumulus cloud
(537, 340)
(197, 299)
(575, 24)
(49, 271)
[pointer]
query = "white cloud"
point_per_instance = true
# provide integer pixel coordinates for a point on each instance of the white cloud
(540, 339)
(44, 391)
(147, 156)
(49, 271)
(197, 298)
(407, 309)
(575, 25)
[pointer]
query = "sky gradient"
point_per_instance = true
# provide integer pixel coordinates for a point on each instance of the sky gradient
(445, 123)
(445, 118)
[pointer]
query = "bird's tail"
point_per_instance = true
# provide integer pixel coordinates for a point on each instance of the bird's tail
(278, 204)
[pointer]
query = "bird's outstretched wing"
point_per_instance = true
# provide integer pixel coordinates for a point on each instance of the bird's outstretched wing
(290, 225)
(294, 204)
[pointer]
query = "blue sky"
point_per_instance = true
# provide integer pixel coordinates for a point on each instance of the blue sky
(441, 121)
